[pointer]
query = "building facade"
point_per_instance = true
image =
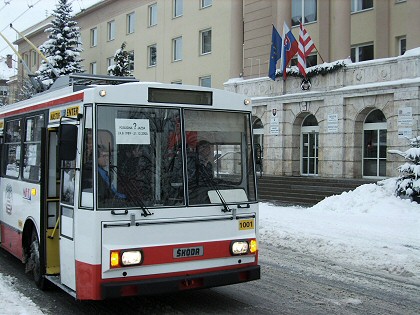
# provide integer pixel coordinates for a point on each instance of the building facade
(360, 29)
(197, 42)
(343, 124)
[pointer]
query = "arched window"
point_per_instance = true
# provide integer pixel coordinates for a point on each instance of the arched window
(374, 144)
(309, 146)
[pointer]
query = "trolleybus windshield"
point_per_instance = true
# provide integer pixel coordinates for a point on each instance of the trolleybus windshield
(154, 157)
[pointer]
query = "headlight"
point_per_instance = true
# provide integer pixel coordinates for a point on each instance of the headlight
(239, 247)
(123, 258)
(131, 258)
(243, 247)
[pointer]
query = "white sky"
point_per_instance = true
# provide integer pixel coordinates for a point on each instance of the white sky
(25, 13)
(367, 228)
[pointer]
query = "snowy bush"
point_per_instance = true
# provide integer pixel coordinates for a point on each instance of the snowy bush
(408, 183)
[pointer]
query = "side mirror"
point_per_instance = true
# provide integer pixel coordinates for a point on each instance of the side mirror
(67, 142)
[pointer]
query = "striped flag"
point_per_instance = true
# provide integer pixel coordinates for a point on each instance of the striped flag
(306, 45)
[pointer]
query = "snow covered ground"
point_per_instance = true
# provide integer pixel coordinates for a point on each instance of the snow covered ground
(368, 228)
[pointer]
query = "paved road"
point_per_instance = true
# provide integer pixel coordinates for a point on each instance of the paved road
(291, 283)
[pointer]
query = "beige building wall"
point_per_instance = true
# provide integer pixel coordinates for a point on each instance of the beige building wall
(223, 18)
(336, 30)
(241, 35)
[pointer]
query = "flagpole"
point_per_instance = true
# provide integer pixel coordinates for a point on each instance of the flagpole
(320, 55)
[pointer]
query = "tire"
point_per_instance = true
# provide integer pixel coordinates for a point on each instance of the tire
(35, 260)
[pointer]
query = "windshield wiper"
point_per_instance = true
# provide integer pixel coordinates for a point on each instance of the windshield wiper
(133, 192)
(210, 183)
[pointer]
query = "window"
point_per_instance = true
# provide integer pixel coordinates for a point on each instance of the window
(12, 148)
(153, 14)
(92, 67)
(110, 63)
(131, 60)
(360, 5)
(304, 11)
(177, 48)
(205, 81)
(311, 60)
(93, 37)
(178, 8)
(34, 57)
(375, 144)
(151, 52)
(205, 38)
(131, 21)
(206, 3)
(111, 30)
(402, 45)
(362, 53)
(32, 148)
(176, 82)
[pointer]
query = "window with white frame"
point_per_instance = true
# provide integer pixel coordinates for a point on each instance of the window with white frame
(206, 3)
(131, 21)
(205, 39)
(93, 37)
(110, 63)
(205, 81)
(362, 52)
(304, 11)
(178, 8)
(177, 48)
(153, 14)
(111, 30)
(402, 45)
(360, 5)
(131, 61)
(152, 55)
(34, 57)
(92, 68)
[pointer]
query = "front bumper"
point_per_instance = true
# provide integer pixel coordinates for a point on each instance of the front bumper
(180, 283)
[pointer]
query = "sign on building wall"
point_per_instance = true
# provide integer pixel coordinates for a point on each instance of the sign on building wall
(405, 122)
(274, 122)
(332, 125)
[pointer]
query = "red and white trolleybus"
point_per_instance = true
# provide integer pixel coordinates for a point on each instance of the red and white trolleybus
(132, 188)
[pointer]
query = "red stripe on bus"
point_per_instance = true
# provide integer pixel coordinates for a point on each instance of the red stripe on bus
(52, 103)
(11, 240)
(165, 254)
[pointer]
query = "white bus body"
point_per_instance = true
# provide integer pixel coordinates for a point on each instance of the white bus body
(134, 211)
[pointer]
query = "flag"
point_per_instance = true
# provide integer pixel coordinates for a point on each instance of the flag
(275, 53)
(290, 48)
(306, 45)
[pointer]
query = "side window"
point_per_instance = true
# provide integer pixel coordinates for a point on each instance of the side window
(32, 148)
(12, 148)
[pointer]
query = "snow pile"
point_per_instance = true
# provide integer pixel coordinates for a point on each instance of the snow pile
(368, 228)
(13, 302)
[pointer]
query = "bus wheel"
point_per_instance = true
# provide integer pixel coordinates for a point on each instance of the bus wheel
(35, 262)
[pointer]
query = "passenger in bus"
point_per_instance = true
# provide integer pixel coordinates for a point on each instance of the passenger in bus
(200, 175)
(106, 189)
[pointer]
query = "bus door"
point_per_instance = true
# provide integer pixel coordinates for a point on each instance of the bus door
(51, 196)
(67, 209)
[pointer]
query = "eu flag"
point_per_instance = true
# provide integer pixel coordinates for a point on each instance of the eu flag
(275, 54)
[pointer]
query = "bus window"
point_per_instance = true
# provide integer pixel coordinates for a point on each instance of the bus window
(145, 163)
(222, 138)
(12, 148)
(32, 148)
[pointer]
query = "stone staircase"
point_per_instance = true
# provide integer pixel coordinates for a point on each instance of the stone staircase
(303, 190)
